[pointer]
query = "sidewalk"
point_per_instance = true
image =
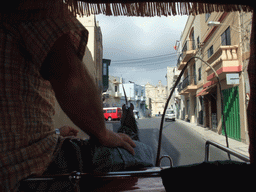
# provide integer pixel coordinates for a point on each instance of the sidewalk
(210, 135)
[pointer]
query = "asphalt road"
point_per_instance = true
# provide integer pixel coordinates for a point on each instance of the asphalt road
(180, 142)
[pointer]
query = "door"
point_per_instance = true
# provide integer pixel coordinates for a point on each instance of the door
(232, 113)
(192, 40)
(188, 110)
(201, 113)
(213, 111)
(194, 74)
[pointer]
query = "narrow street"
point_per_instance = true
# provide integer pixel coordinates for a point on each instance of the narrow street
(181, 143)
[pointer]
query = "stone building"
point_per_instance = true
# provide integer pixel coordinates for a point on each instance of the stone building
(171, 77)
(156, 98)
(115, 95)
(222, 40)
(94, 49)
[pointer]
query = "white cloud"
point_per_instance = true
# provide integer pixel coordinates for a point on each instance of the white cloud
(139, 37)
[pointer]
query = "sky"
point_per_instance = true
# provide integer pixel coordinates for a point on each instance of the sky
(140, 48)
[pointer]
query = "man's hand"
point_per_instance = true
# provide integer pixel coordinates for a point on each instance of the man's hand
(66, 131)
(118, 140)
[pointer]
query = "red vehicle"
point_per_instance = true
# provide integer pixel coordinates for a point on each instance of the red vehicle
(112, 113)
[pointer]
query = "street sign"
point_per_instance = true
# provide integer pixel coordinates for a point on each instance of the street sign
(232, 78)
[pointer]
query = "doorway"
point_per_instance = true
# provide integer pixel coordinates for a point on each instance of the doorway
(232, 113)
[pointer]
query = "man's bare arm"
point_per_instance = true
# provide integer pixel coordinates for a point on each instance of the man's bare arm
(78, 96)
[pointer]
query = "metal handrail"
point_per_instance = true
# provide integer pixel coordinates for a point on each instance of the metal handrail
(188, 46)
(75, 176)
(150, 172)
(185, 82)
(222, 147)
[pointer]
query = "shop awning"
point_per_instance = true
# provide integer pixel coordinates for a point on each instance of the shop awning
(203, 92)
(206, 90)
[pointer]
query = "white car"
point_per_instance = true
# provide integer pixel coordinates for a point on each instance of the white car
(136, 114)
(170, 115)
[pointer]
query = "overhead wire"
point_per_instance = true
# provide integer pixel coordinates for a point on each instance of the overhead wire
(144, 59)
(143, 70)
(148, 63)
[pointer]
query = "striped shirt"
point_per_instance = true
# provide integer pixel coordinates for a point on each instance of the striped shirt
(27, 138)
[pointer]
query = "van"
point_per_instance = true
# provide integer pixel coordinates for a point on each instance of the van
(170, 115)
(112, 113)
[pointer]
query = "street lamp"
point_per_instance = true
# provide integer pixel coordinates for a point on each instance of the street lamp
(213, 23)
(217, 23)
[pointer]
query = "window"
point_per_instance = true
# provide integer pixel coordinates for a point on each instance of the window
(198, 42)
(115, 88)
(109, 111)
(207, 15)
(199, 73)
(114, 110)
(192, 40)
(210, 51)
(194, 74)
(225, 37)
(105, 68)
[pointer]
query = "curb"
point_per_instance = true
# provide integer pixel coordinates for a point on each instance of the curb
(207, 134)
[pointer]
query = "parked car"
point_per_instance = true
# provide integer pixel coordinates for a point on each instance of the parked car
(136, 114)
(170, 115)
(112, 113)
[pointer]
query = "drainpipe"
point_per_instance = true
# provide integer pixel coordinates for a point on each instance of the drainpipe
(244, 122)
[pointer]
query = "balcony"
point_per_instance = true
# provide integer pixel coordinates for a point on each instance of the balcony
(176, 73)
(117, 94)
(188, 51)
(137, 97)
(224, 61)
(130, 98)
(188, 85)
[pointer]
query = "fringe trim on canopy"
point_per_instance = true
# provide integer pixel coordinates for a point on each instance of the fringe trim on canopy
(150, 8)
